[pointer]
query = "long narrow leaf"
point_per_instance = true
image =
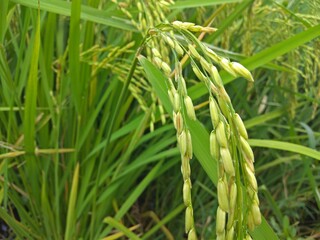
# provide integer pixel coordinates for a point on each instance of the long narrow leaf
(21, 230)
(203, 3)
(114, 223)
(31, 94)
(87, 13)
(3, 18)
(71, 216)
(74, 53)
(286, 146)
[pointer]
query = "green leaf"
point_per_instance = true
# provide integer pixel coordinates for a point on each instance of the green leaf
(87, 13)
(48, 219)
(163, 221)
(265, 117)
(3, 18)
(286, 146)
(74, 53)
(31, 94)
(71, 215)
(202, 3)
(114, 223)
(19, 229)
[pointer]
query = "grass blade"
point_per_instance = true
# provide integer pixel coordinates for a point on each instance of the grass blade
(71, 216)
(31, 94)
(74, 53)
(87, 13)
(286, 146)
(19, 229)
(264, 117)
(203, 3)
(114, 223)
(166, 219)
(3, 18)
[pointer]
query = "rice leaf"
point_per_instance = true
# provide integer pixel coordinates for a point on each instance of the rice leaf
(114, 223)
(286, 146)
(31, 94)
(3, 18)
(87, 13)
(202, 3)
(19, 229)
(71, 215)
(74, 54)
(164, 220)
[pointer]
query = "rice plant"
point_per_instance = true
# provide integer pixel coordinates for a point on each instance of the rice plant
(142, 119)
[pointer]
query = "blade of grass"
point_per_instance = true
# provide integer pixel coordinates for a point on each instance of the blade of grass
(30, 111)
(118, 235)
(71, 215)
(87, 13)
(312, 181)
(202, 3)
(286, 146)
(288, 11)
(277, 161)
(31, 94)
(114, 223)
(74, 53)
(3, 18)
(265, 117)
(48, 219)
(163, 221)
(19, 229)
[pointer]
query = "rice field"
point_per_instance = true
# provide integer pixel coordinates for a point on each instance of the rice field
(159, 119)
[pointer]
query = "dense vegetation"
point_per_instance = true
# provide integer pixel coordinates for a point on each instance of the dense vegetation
(88, 145)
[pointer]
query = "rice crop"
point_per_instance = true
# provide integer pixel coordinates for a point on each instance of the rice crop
(159, 119)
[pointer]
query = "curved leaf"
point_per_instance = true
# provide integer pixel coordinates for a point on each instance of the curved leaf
(286, 146)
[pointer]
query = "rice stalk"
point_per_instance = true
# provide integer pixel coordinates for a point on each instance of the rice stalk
(228, 140)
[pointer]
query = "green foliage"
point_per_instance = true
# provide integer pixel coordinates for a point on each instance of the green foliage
(77, 157)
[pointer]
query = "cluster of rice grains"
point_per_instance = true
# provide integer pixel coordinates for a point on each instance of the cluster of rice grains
(238, 208)
(150, 13)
